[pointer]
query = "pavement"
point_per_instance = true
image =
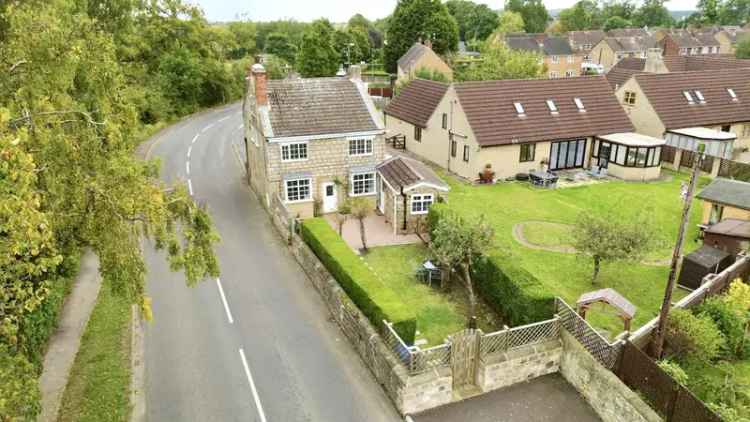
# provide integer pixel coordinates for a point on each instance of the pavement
(378, 232)
(63, 345)
(547, 398)
(256, 344)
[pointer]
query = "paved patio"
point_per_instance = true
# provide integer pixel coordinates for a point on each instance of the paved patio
(377, 232)
(548, 398)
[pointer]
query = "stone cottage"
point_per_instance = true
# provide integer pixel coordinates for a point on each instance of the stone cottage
(421, 56)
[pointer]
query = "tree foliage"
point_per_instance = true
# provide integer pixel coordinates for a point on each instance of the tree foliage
(612, 239)
(501, 62)
(743, 49)
(510, 22)
(652, 13)
(585, 14)
(317, 55)
(616, 22)
(278, 44)
(535, 15)
(475, 21)
(693, 338)
(413, 20)
(19, 392)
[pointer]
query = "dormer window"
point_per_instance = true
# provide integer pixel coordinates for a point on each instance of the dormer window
(732, 94)
(699, 96)
(688, 97)
(519, 109)
(552, 107)
(579, 104)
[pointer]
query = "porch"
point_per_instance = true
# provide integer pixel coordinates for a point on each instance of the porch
(378, 232)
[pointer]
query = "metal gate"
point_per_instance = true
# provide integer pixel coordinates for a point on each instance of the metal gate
(465, 357)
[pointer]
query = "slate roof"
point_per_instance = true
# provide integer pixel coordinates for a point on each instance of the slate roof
(317, 106)
(413, 55)
(684, 38)
(628, 32)
(493, 119)
(402, 172)
(581, 38)
(731, 227)
(665, 94)
(417, 101)
(727, 192)
(547, 45)
(630, 43)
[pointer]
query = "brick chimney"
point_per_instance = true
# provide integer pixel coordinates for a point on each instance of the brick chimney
(260, 85)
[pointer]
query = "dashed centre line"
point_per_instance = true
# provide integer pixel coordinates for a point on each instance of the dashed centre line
(224, 300)
(258, 406)
(187, 167)
(190, 187)
(223, 119)
(207, 127)
(190, 150)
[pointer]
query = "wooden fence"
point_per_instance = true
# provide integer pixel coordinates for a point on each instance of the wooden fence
(735, 170)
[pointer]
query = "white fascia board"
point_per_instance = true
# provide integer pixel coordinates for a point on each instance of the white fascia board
(325, 136)
(427, 184)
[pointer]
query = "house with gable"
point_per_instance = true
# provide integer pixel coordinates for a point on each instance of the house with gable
(521, 126)
(421, 56)
(610, 50)
(311, 143)
(584, 41)
(556, 53)
(682, 42)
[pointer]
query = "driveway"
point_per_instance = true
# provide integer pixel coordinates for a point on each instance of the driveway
(257, 344)
(548, 398)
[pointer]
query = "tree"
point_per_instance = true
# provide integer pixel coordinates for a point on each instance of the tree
(509, 22)
(278, 44)
(734, 12)
(743, 49)
(616, 22)
(413, 20)
(244, 35)
(482, 22)
(19, 390)
(621, 8)
(317, 55)
(500, 62)
(457, 244)
(360, 208)
(612, 239)
(693, 338)
(652, 13)
(535, 15)
(584, 15)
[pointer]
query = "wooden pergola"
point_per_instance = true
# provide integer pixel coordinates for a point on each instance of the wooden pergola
(624, 309)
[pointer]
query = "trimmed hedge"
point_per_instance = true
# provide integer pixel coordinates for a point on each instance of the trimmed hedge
(373, 298)
(512, 291)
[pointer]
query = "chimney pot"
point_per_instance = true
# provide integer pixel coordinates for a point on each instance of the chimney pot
(260, 84)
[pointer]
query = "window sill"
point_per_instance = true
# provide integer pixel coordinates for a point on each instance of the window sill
(295, 161)
(420, 213)
(355, 195)
(301, 201)
(369, 154)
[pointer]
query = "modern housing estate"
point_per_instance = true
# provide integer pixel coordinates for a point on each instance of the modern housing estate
(613, 48)
(556, 53)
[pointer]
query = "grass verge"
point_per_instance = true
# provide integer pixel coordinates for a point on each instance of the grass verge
(99, 385)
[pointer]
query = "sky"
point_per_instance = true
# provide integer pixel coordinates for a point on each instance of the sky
(339, 10)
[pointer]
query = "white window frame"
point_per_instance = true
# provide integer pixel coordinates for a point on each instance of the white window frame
(352, 183)
(309, 191)
(570, 73)
(289, 145)
(425, 200)
(366, 147)
(555, 59)
(553, 74)
(570, 59)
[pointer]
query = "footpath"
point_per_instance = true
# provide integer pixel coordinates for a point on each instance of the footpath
(63, 346)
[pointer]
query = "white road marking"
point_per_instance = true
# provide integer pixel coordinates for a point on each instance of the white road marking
(223, 119)
(207, 127)
(195, 138)
(190, 150)
(187, 167)
(224, 300)
(240, 126)
(190, 187)
(252, 387)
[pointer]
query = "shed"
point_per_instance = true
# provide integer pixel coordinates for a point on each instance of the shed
(730, 235)
(704, 261)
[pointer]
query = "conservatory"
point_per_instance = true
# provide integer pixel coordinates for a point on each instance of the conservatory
(628, 156)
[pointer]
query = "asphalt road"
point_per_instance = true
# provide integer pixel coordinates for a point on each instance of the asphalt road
(258, 345)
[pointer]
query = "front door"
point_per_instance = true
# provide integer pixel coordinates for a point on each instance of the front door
(604, 151)
(330, 199)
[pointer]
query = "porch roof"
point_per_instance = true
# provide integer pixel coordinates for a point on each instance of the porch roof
(717, 144)
(404, 173)
(705, 134)
(633, 139)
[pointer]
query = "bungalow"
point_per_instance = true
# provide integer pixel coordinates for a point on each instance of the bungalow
(518, 126)
(710, 107)
(311, 142)
(421, 56)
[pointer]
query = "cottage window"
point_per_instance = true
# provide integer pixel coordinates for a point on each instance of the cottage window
(363, 184)
(630, 98)
(528, 151)
(570, 59)
(555, 59)
(717, 212)
(466, 153)
(417, 133)
(294, 152)
(360, 146)
(570, 73)
(298, 190)
(554, 75)
(445, 121)
(420, 204)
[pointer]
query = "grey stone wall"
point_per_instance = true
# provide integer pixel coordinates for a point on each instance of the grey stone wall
(521, 364)
(425, 391)
(612, 400)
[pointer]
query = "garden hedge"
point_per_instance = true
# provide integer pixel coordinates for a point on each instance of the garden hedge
(374, 299)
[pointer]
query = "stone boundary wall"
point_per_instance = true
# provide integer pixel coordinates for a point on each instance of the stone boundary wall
(612, 400)
(524, 363)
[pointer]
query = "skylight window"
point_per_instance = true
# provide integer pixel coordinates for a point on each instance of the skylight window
(732, 94)
(579, 104)
(519, 109)
(552, 106)
(688, 97)
(700, 97)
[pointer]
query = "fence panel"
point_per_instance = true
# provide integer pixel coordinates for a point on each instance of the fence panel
(735, 170)
(431, 358)
(605, 352)
(689, 408)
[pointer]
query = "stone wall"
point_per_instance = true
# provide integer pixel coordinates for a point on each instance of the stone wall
(612, 400)
(520, 364)
(425, 391)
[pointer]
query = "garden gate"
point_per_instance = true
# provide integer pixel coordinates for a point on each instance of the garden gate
(465, 357)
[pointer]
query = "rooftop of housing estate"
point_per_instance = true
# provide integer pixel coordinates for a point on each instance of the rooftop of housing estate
(734, 193)
(687, 39)
(417, 101)
(690, 99)
(540, 43)
(630, 43)
(630, 66)
(302, 107)
(585, 40)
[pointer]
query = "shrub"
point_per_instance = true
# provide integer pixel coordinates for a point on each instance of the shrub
(674, 370)
(730, 320)
(693, 337)
(512, 291)
(19, 393)
(374, 299)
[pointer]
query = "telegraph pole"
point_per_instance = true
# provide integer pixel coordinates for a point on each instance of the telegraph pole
(657, 346)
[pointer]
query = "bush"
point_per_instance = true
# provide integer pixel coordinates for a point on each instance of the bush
(19, 393)
(373, 298)
(675, 371)
(730, 320)
(692, 337)
(511, 291)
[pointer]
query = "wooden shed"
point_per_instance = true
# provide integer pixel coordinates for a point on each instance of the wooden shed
(730, 235)
(704, 261)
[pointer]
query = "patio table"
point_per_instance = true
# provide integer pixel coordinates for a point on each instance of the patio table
(543, 178)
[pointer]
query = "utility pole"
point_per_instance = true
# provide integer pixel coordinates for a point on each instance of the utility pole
(657, 346)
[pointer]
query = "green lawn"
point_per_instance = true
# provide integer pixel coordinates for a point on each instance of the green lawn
(99, 385)
(504, 205)
(439, 314)
(545, 234)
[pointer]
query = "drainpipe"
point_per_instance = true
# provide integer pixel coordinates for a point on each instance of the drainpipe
(404, 196)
